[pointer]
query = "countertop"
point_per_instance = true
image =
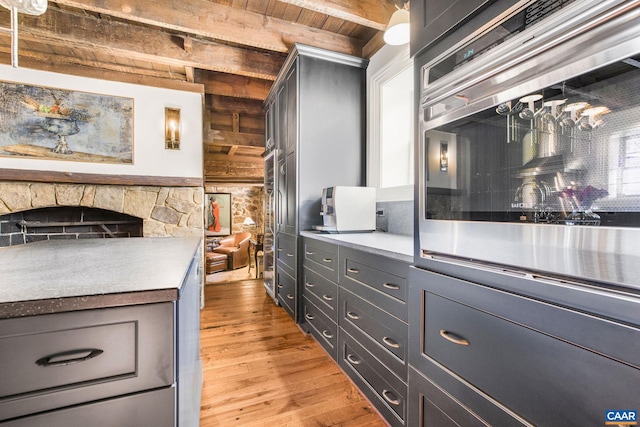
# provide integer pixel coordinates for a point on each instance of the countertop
(65, 275)
(396, 246)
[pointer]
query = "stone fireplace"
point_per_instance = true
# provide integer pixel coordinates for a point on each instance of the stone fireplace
(30, 209)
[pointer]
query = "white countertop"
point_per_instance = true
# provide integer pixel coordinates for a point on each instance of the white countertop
(397, 246)
(58, 269)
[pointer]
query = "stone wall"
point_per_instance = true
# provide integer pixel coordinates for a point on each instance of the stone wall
(165, 211)
(245, 201)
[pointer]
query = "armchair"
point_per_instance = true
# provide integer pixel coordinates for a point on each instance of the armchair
(236, 247)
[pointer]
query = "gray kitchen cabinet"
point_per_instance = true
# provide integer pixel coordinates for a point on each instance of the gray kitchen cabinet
(515, 360)
(111, 364)
(318, 102)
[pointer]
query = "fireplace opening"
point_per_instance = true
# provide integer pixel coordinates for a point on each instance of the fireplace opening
(66, 222)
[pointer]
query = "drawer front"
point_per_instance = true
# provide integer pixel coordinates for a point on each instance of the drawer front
(378, 279)
(286, 291)
(383, 335)
(155, 408)
(384, 389)
(545, 380)
(321, 327)
(61, 359)
(322, 257)
(322, 291)
(286, 252)
(436, 404)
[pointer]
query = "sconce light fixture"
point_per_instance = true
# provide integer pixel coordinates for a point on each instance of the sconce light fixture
(172, 130)
(444, 156)
(397, 32)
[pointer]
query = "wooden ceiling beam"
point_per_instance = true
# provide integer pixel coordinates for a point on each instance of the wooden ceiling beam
(215, 21)
(370, 13)
(71, 31)
(233, 85)
(228, 138)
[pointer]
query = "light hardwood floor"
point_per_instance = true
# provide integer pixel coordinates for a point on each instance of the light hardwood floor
(261, 370)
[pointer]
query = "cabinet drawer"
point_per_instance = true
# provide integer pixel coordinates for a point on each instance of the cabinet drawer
(286, 252)
(384, 389)
(378, 279)
(321, 327)
(155, 408)
(57, 360)
(502, 344)
(384, 335)
(322, 257)
(435, 404)
(322, 291)
(286, 291)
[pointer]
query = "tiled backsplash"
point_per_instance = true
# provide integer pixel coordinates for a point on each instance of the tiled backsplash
(397, 217)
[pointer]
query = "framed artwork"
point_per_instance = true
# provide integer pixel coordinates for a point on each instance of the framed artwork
(59, 124)
(218, 218)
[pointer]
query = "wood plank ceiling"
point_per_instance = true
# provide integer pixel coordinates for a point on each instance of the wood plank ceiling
(232, 48)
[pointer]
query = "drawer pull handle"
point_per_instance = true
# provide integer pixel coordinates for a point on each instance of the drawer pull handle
(352, 359)
(67, 357)
(353, 270)
(327, 260)
(279, 249)
(280, 286)
(391, 286)
(290, 296)
(390, 343)
(389, 397)
(327, 334)
(309, 284)
(309, 316)
(453, 338)
(352, 315)
(327, 297)
(289, 255)
(310, 253)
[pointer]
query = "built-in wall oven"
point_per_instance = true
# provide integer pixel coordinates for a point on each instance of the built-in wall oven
(268, 274)
(529, 144)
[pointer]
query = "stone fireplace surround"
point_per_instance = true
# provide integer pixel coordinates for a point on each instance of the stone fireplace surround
(164, 211)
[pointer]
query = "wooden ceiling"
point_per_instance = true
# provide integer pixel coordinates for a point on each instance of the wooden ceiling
(232, 48)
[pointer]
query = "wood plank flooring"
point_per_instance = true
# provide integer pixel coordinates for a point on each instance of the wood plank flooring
(261, 370)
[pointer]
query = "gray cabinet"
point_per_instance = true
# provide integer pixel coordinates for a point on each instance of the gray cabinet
(136, 365)
(354, 305)
(548, 365)
(318, 104)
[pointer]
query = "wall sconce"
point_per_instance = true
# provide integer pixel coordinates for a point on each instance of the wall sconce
(172, 131)
(444, 156)
(397, 32)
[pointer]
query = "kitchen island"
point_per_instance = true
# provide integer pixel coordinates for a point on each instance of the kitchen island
(100, 331)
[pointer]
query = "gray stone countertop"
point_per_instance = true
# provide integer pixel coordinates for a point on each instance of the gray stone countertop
(66, 275)
(396, 246)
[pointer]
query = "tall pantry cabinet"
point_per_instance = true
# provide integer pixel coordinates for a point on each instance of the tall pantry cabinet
(318, 108)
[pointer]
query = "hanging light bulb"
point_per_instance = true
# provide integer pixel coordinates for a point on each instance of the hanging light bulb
(30, 7)
(397, 32)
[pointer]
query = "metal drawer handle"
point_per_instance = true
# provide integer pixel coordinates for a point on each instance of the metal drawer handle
(279, 249)
(288, 254)
(310, 253)
(353, 270)
(280, 286)
(391, 286)
(327, 260)
(309, 284)
(327, 334)
(352, 359)
(289, 296)
(453, 338)
(389, 397)
(69, 357)
(390, 343)
(327, 297)
(352, 315)
(309, 316)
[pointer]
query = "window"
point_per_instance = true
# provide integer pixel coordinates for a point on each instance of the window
(390, 164)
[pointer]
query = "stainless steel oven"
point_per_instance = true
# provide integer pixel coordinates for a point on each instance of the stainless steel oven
(529, 144)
